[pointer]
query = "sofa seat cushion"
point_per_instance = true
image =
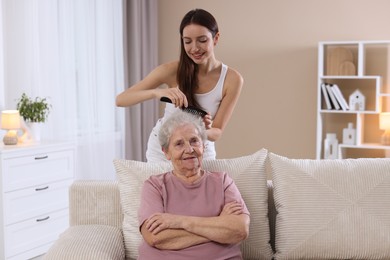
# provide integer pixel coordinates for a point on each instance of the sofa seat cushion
(88, 242)
(332, 209)
(249, 174)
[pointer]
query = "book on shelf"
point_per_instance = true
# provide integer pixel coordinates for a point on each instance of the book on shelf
(340, 97)
(332, 97)
(326, 96)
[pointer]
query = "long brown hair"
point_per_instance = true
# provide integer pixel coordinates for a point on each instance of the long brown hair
(188, 70)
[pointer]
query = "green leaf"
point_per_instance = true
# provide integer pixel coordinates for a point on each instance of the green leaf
(36, 110)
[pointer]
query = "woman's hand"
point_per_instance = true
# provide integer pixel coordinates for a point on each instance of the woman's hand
(161, 221)
(208, 122)
(231, 208)
(175, 95)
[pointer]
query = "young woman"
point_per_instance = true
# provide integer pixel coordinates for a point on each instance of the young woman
(197, 79)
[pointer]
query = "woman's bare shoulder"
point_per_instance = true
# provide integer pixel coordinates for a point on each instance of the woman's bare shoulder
(167, 72)
(170, 67)
(234, 77)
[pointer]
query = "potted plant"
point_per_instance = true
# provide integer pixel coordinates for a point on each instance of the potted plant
(34, 112)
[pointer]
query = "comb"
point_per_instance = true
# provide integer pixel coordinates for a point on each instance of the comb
(190, 109)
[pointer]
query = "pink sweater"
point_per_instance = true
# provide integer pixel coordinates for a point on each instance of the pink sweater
(205, 198)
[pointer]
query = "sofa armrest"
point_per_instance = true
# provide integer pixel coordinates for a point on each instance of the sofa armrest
(95, 202)
(88, 242)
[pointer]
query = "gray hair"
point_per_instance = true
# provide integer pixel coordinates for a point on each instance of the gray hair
(177, 119)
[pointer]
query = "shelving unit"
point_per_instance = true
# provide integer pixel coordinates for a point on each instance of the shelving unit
(354, 65)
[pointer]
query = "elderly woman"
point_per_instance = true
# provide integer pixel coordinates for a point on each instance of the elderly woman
(189, 212)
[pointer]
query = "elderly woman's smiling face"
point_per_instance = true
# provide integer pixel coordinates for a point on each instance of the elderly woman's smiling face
(185, 149)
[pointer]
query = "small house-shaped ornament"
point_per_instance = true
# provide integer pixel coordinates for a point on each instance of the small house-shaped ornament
(357, 101)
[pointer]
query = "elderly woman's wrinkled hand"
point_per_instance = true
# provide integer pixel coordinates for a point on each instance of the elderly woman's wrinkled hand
(231, 208)
(160, 221)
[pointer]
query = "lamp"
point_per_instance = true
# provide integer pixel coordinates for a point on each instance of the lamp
(384, 124)
(10, 120)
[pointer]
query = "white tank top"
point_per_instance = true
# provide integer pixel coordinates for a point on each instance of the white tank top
(209, 101)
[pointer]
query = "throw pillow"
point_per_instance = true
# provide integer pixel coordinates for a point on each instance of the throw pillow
(131, 175)
(248, 172)
(331, 209)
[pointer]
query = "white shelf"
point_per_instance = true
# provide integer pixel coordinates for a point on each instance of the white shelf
(366, 146)
(352, 65)
(354, 42)
(349, 77)
(347, 111)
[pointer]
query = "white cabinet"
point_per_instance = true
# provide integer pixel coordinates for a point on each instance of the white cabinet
(35, 179)
(352, 66)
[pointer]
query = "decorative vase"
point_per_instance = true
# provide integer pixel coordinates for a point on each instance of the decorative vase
(35, 131)
(330, 146)
(349, 135)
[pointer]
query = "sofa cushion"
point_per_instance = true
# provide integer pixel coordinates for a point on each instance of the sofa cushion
(248, 172)
(88, 242)
(331, 209)
(131, 176)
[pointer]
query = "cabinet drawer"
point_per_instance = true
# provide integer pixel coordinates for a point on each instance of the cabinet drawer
(35, 232)
(37, 169)
(34, 201)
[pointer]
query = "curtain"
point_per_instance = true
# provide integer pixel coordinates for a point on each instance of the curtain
(70, 51)
(99, 66)
(2, 81)
(142, 57)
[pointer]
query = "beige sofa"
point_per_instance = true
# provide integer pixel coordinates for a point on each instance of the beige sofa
(327, 209)
(95, 223)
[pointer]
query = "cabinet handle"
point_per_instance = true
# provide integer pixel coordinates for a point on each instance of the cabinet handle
(41, 157)
(43, 219)
(43, 188)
